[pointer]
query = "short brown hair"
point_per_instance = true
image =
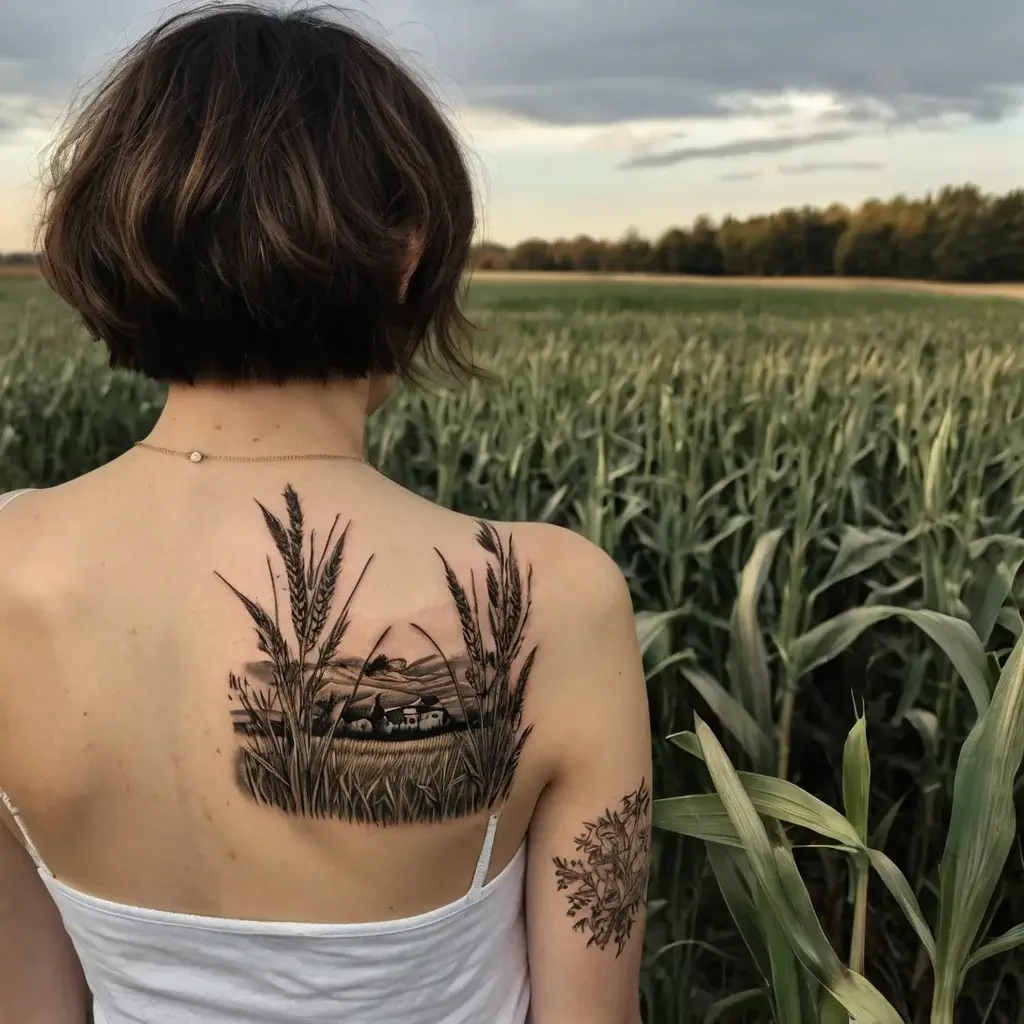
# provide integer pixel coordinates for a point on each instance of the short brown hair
(239, 199)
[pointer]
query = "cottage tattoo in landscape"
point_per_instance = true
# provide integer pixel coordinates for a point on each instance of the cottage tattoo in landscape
(368, 736)
(607, 881)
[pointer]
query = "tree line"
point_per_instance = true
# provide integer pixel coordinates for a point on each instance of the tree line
(17, 260)
(958, 234)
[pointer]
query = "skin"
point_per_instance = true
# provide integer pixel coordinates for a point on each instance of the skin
(116, 642)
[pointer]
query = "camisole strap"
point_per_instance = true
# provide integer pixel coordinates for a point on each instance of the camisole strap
(29, 845)
(484, 860)
(6, 499)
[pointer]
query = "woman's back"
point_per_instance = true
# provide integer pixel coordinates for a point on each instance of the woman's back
(157, 733)
(286, 740)
(155, 771)
(148, 747)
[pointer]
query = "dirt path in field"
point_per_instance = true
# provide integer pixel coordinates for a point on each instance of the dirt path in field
(845, 284)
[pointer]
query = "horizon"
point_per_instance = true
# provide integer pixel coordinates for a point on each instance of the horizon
(714, 222)
(587, 126)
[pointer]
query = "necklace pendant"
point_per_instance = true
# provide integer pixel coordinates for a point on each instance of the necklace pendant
(195, 456)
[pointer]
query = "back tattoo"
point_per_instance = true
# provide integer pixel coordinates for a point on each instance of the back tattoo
(364, 735)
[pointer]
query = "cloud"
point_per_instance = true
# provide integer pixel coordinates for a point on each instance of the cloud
(831, 165)
(595, 62)
(741, 176)
(20, 113)
(741, 147)
(813, 167)
(634, 139)
(570, 61)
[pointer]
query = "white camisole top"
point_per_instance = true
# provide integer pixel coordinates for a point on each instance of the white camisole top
(464, 963)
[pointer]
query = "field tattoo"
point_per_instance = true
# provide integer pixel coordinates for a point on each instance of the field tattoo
(607, 881)
(370, 737)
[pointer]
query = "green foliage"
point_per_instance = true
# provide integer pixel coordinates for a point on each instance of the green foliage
(959, 234)
(677, 427)
(774, 911)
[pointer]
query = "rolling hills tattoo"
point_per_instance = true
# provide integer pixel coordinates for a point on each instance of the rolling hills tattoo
(367, 736)
(606, 883)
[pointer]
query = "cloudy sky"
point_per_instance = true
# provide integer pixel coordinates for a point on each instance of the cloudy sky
(602, 115)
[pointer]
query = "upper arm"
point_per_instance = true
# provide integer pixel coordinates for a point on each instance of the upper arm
(589, 848)
(41, 978)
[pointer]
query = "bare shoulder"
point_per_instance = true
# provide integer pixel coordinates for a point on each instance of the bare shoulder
(37, 517)
(42, 531)
(582, 611)
(23, 518)
(586, 576)
(18, 507)
(43, 538)
(26, 566)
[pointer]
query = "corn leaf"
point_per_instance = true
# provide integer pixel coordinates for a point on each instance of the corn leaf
(735, 719)
(878, 838)
(957, 639)
(754, 678)
(785, 971)
(1010, 619)
(926, 724)
(1003, 944)
(860, 998)
(667, 662)
(981, 831)
(751, 997)
(831, 1011)
(651, 625)
(995, 562)
(857, 778)
(779, 883)
(936, 472)
(700, 815)
(824, 962)
(731, 871)
(859, 550)
(783, 800)
(897, 884)
(687, 740)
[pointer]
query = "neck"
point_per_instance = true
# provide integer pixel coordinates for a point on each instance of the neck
(297, 418)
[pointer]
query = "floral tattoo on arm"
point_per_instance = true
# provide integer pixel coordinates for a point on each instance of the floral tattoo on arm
(606, 882)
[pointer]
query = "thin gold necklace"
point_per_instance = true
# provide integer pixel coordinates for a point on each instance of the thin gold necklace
(198, 456)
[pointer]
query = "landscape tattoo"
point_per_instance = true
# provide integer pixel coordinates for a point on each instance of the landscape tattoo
(368, 737)
(607, 880)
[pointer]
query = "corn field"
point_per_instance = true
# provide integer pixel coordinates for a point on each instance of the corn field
(760, 465)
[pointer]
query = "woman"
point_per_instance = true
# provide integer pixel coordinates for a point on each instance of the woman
(279, 739)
